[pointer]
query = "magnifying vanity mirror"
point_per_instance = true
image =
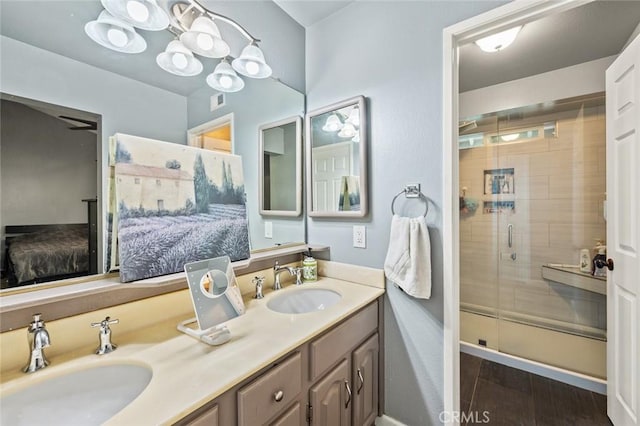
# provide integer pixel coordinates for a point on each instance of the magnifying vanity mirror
(280, 173)
(336, 146)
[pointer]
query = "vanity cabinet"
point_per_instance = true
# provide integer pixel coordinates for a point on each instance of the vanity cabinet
(330, 381)
(365, 381)
(330, 398)
(270, 393)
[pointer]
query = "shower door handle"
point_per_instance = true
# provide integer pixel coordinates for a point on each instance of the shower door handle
(510, 235)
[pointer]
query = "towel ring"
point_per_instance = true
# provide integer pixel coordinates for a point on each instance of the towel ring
(411, 195)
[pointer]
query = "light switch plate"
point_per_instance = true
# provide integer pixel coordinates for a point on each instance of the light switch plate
(268, 229)
(359, 236)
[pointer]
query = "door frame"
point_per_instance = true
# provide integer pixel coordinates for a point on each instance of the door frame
(518, 12)
(194, 132)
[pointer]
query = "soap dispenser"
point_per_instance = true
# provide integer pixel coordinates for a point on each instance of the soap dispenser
(309, 268)
(599, 264)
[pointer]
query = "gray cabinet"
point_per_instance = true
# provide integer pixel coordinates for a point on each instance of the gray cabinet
(365, 382)
(207, 418)
(330, 398)
(331, 381)
(270, 393)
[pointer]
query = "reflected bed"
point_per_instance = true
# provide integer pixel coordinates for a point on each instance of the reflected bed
(41, 253)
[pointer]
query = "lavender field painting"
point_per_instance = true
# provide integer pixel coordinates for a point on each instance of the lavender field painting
(176, 204)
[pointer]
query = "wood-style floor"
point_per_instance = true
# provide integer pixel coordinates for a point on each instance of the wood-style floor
(508, 396)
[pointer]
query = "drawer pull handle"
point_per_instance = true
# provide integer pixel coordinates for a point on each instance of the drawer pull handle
(278, 396)
(361, 381)
(346, 385)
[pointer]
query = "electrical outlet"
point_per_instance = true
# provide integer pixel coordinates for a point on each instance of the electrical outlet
(268, 229)
(359, 236)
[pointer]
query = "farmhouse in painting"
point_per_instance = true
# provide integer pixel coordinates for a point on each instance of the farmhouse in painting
(154, 188)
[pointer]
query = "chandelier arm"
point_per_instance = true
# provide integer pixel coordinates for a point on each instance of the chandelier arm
(223, 18)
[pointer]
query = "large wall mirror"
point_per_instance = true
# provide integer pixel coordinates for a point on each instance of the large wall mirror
(336, 150)
(127, 94)
(280, 174)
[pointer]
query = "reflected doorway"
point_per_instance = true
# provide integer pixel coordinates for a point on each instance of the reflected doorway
(215, 135)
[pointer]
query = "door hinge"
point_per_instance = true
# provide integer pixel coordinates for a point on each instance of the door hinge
(309, 413)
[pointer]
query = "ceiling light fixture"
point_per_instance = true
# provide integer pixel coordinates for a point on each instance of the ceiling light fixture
(193, 25)
(179, 60)
(224, 78)
(115, 34)
(499, 41)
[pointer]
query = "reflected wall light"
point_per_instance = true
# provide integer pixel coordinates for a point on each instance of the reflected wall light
(193, 25)
(498, 41)
(346, 124)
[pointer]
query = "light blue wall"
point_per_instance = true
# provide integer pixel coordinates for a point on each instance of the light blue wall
(126, 105)
(260, 102)
(391, 52)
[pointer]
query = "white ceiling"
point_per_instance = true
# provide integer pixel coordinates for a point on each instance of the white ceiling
(308, 12)
(583, 34)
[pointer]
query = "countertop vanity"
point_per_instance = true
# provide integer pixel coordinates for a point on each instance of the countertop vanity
(278, 368)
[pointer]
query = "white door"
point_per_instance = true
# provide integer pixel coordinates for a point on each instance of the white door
(330, 164)
(623, 236)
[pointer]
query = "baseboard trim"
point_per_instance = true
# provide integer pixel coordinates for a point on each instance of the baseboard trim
(569, 377)
(385, 420)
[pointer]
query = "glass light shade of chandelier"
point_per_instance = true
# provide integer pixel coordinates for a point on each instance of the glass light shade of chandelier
(179, 60)
(224, 78)
(354, 117)
(356, 138)
(143, 14)
(347, 131)
(499, 41)
(115, 34)
(204, 39)
(251, 62)
(333, 124)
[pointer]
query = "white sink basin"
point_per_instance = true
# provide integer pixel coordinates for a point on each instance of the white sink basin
(303, 300)
(83, 397)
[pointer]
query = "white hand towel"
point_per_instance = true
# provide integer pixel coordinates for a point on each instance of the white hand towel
(408, 262)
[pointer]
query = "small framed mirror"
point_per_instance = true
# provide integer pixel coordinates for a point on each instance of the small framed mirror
(336, 159)
(280, 168)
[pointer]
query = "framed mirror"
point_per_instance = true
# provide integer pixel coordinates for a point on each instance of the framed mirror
(280, 168)
(336, 159)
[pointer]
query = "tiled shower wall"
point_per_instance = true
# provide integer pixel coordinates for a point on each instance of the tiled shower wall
(559, 193)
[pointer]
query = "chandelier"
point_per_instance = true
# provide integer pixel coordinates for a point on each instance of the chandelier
(196, 32)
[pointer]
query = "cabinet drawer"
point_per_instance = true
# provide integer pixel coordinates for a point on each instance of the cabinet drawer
(267, 395)
(328, 349)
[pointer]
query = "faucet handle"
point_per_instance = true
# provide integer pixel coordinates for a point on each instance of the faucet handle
(105, 322)
(37, 322)
(259, 282)
(276, 266)
(298, 272)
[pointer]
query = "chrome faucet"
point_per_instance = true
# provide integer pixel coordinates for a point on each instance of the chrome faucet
(277, 270)
(105, 336)
(38, 340)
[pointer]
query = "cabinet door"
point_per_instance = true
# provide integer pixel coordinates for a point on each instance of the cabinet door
(330, 398)
(365, 382)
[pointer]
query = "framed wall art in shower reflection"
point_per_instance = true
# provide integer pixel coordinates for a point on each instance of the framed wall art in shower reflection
(499, 181)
